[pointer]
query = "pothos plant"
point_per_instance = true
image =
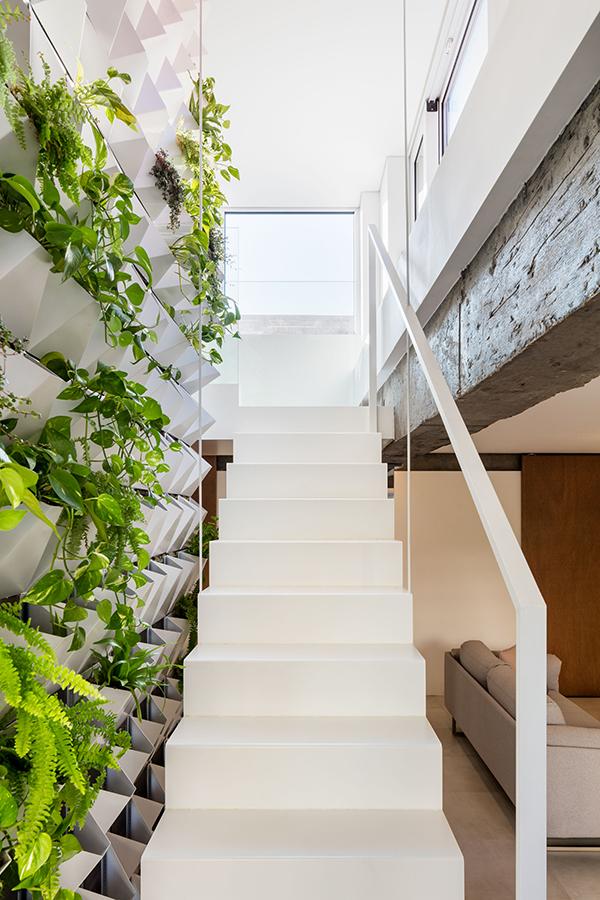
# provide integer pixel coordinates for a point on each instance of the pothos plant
(200, 254)
(94, 467)
(87, 243)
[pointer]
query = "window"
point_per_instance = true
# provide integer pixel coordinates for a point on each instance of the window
(291, 263)
(471, 53)
(419, 183)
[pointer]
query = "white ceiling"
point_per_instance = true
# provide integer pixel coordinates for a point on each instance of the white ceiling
(315, 89)
(566, 423)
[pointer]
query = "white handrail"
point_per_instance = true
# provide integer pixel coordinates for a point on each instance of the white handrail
(527, 600)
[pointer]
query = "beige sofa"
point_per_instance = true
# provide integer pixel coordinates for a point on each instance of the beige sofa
(480, 696)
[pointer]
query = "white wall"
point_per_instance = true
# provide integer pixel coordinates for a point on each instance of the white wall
(458, 591)
(298, 369)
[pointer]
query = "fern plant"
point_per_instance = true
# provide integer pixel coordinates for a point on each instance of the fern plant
(52, 763)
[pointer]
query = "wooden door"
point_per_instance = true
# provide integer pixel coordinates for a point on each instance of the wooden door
(561, 540)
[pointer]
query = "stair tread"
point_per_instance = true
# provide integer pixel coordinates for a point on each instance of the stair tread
(304, 652)
(309, 590)
(302, 834)
(283, 731)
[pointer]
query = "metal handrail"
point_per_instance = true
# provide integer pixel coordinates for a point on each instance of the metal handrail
(527, 600)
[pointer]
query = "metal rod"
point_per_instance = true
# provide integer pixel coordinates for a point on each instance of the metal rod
(407, 207)
(372, 297)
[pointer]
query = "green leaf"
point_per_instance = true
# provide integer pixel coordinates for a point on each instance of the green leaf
(59, 234)
(87, 580)
(13, 486)
(28, 477)
(74, 613)
(53, 587)
(11, 221)
(144, 261)
(66, 487)
(25, 189)
(73, 260)
(104, 610)
(8, 808)
(136, 294)
(36, 855)
(109, 510)
(10, 518)
(78, 641)
(103, 438)
(50, 193)
(151, 410)
(69, 847)
(33, 505)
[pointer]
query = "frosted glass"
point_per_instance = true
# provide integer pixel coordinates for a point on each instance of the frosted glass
(291, 263)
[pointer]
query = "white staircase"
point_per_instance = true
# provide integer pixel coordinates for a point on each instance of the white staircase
(304, 768)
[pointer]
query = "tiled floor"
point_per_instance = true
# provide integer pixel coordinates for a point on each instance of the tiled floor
(483, 821)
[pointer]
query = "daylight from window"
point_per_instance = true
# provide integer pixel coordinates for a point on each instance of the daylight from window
(470, 58)
(290, 264)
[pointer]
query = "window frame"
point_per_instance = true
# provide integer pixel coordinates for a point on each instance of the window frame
(444, 138)
(420, 150)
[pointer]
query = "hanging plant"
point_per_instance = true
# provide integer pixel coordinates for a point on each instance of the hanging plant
(200, 254)
(169, 183)
(94, 477)
(58, 115)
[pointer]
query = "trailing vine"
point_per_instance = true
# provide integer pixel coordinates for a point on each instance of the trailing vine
(200, 254)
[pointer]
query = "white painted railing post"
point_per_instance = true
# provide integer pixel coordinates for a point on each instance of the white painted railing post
(372, 298)
(530, 609)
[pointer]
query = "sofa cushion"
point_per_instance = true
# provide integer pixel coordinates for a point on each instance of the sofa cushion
(554, 667)
(502, 685)
(509, 656)
(478, 660)
(573, 714)
(554, 714)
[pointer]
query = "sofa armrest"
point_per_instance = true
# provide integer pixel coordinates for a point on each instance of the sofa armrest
(574, 736)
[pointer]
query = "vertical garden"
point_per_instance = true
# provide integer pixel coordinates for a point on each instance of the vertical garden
(112, 313)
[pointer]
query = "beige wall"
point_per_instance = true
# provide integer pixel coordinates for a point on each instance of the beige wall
(458, 591)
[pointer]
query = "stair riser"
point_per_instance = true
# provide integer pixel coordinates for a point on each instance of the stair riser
(304, 688)
(323, 879)
(304, 777)
(317, 520)
(263, 564)
(305, 619)
(295, 480)
(277, 419)
(307, 448)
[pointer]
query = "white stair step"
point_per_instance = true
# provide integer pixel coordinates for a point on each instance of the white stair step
(262, 855)
(252, 480)
(305, 615)
(306, 518)
(304, 680)
(311, 563)
(269, 419)
(309, 447)
(297, 763)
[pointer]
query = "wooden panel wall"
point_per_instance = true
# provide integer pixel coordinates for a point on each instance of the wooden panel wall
(561, 540)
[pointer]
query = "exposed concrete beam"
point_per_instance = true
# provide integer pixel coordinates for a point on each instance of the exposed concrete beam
(447, 462)
(523, 321)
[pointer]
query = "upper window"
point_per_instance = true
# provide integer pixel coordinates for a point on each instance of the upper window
(471, 53)
(290, 264)
(419, 182)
